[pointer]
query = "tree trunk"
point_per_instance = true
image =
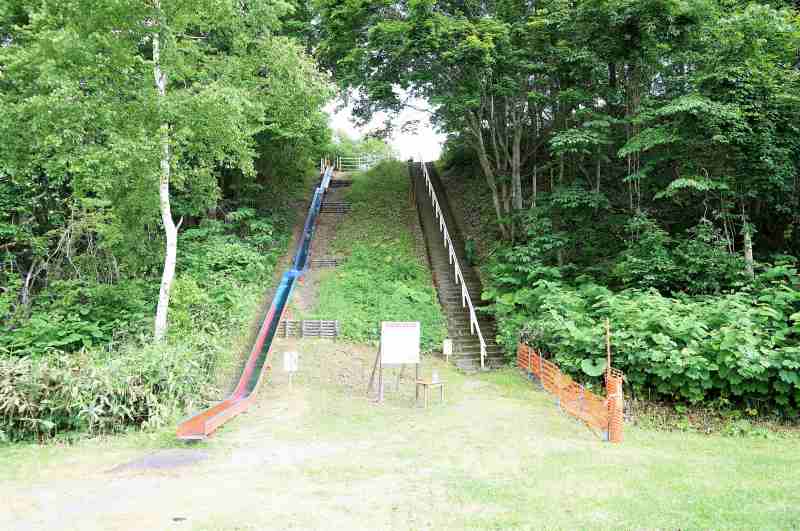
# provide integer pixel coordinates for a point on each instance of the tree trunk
(516, 169)
(170, 229)
(748, 250)
(598, 169)
(488, 173)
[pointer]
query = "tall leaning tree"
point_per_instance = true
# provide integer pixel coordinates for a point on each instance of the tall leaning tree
(165, 166)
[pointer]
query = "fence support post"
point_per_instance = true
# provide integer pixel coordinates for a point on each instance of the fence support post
(616, 405)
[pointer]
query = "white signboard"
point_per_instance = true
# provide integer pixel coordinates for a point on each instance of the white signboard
(399, 342)
(447, 347)
(290, 361)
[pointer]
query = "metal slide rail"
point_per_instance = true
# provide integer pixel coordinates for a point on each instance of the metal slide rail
(466, 300)
(206, 422)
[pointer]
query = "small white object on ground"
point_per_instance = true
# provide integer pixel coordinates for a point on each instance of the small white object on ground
(290, 361)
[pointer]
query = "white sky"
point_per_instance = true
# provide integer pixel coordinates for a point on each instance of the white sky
(423, 142)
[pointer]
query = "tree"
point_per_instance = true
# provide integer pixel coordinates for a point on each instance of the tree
(466, 59)
(732, 137)
(136, 110)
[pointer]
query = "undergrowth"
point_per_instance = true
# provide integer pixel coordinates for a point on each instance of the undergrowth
(382, 278)
(63, 373)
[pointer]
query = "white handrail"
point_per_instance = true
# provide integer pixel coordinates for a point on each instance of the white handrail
(360, 162)
(466, 300)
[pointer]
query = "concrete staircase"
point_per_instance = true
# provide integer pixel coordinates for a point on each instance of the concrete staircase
(466, 346)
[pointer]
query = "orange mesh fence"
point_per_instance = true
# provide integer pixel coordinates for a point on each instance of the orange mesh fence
(601, 413)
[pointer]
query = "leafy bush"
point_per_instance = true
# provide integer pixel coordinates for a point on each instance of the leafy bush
(75, 314)
(743, 347)
(647, 262)
(82, 362)
(698, 263)
(213, 254)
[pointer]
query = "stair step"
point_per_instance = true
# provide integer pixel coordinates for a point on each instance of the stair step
(463, 317)
(466, 345)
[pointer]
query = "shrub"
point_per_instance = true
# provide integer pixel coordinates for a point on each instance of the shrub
(696, 263)
(75, 314)
(98, 392)
(61, 371)
(744, 346)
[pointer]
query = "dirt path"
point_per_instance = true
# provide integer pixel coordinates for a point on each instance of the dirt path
(318, 456)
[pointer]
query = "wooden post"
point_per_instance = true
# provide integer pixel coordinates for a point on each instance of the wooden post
(608, 345)
(374, 368)
(399, 377)
(380, 380)
(616, 404)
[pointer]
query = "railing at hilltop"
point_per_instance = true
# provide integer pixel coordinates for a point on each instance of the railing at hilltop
(360, 162)
(466, 300)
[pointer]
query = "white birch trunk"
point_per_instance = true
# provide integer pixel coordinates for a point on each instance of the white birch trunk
(748, 251)
(170, 229)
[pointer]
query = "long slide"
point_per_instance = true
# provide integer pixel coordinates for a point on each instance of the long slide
(204, 423)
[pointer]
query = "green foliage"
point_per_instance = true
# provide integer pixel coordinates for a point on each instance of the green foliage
(382, 278)
(80, 237)
(81, 361)
(699, 263)
(71, 315)
(81, 127)
(647, 262)
(97, 392)
(743, 347)
(344, 146)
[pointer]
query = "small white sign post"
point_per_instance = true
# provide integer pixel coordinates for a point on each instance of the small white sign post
(290, 362)
(447, 349)
(399, 345)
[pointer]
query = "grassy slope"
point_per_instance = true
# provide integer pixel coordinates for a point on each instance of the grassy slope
(383, 278)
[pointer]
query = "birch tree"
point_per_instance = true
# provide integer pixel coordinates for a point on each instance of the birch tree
(135, 103)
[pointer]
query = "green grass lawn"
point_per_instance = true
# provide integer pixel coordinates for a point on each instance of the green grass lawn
(497, 455)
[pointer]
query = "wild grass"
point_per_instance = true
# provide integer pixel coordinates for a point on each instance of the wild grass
(47, 392)
(382, 278)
